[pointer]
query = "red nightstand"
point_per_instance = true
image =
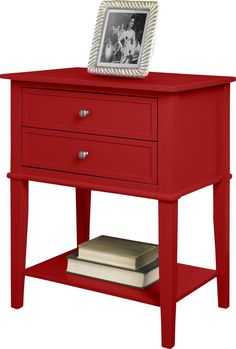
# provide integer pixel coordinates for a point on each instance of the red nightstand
(161, 137)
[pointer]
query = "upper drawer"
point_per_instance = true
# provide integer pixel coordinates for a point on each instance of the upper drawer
(121, 116)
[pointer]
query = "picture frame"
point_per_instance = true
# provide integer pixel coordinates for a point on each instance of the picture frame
(123, 38)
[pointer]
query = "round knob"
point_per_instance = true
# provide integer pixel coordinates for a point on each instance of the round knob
(83, 113)
(83, 154)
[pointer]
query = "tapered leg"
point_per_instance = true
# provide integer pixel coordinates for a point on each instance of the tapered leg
(19, 222)
(83, 199)
(168, 221)
(221, 228)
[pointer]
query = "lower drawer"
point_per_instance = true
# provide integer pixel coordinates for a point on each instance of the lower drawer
(110, 157)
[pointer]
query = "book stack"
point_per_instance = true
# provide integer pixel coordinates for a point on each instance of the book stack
(117, 260)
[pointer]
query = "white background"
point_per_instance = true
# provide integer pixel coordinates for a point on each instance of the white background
(192, 37)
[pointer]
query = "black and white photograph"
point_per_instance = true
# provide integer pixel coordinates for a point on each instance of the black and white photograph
(123, 38)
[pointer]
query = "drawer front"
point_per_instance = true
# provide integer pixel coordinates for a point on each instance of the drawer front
(122, 116)
(122, 159)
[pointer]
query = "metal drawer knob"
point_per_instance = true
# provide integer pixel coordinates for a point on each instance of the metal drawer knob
(83, 113)
(83, 154)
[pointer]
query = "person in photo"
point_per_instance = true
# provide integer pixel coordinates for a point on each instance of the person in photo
(128, 38)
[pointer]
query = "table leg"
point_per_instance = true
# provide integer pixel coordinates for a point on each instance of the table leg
(83, 200)
(19, 223)
(221, 228)
(168, 227)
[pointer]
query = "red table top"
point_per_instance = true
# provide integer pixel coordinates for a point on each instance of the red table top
(157, 82)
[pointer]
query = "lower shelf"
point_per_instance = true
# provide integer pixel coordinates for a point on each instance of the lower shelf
(190, 278)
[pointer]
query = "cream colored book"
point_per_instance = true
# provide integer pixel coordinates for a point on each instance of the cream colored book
(140, 278)
(118, 252)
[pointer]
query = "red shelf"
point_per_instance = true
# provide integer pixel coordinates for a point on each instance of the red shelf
(190, 278)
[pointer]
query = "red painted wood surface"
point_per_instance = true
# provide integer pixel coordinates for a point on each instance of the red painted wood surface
(16, 152)
(19, 223)
(162, 82)
(123, 159)
(83, 201)
(187, 151)
(126, 188)
(119, 116)
(168, 227)
(191, 132)
(178, 145)
(222, 248)
(221, 200)
(190, 278)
